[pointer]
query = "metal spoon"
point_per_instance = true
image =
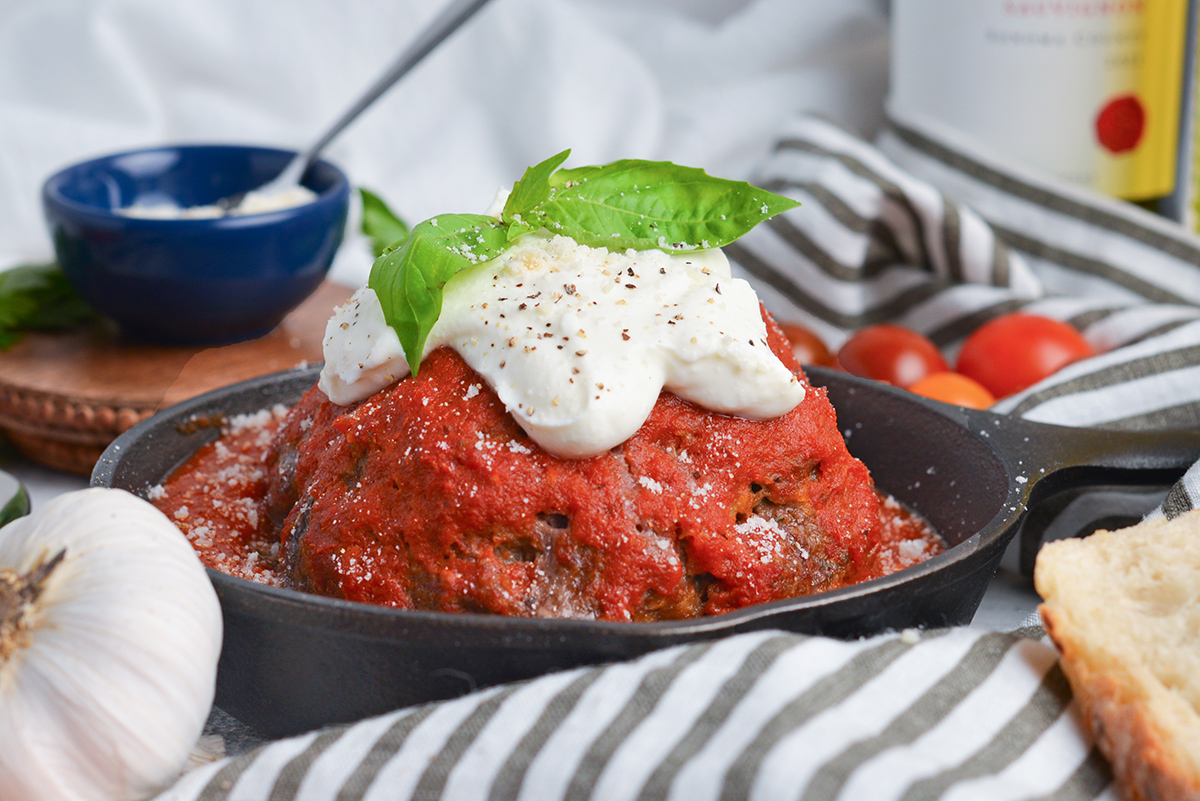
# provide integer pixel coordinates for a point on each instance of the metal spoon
(447, 22)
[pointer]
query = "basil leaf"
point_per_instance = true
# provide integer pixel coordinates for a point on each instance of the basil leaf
(408, 278)
(533, 188)
(38, 297)
(626, 204)
(653, 204)
(379, 223)
(518, 228)
(14, 499)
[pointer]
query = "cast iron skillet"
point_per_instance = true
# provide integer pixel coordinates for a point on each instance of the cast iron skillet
(292, 661)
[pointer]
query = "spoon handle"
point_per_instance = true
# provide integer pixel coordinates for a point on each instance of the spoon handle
(452, 16)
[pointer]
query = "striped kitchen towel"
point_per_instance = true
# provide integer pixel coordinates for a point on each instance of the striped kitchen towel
(958, 714)
(919, 229)
(924, 230)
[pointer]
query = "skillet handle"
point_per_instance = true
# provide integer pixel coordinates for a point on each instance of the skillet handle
(1071, 458)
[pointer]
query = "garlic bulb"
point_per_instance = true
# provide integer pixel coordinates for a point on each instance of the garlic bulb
(109, 638)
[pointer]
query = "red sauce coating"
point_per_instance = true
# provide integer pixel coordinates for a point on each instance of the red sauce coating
(429, 496)
(216, 499)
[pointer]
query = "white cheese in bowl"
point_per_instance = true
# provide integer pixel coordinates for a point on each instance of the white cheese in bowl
(252, 203)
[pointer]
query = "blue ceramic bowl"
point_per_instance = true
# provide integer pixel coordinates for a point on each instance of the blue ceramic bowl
(192, 281)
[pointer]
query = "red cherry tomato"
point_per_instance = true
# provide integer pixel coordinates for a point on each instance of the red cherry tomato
(807, 346)
(891, 353)
(954, 388)
(1018, 350)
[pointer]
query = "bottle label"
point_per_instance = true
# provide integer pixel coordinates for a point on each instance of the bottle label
(1086, 90)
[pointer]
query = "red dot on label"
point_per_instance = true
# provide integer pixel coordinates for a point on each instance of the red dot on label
(1121, 123)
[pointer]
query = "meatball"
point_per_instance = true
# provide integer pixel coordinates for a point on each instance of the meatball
(428, 495)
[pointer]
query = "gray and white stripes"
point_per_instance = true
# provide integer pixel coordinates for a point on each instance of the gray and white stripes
(958, 714)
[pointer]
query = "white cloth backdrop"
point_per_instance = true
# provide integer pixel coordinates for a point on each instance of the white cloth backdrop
(703, 82)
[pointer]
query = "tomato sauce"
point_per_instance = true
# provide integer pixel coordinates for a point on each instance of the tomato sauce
(217, 499)
(429, 496)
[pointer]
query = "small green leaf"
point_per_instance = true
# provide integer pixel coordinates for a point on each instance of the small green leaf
(14, 499)
(379, 223)
(38, 297)
(518, 227)
(648, 204)
(409, 278)
(532, 190)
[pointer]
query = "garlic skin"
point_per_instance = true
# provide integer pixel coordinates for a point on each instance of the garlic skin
(108, 678)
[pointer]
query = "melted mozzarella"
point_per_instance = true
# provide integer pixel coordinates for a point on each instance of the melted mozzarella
(578, 342)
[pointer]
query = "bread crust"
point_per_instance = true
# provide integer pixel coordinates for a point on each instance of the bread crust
(1116, 715)
(1146, 729)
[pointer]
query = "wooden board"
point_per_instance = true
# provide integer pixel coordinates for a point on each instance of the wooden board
(65, 396)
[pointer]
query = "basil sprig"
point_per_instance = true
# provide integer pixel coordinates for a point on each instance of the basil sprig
(380, 223)
(626, 204)
(38, 297)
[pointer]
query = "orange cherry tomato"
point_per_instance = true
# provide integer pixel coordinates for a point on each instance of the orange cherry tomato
(956, 388)
(891, 353)
(1018, 350)
(807, 347)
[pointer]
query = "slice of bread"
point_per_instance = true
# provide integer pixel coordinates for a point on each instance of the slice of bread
(1123, 607)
